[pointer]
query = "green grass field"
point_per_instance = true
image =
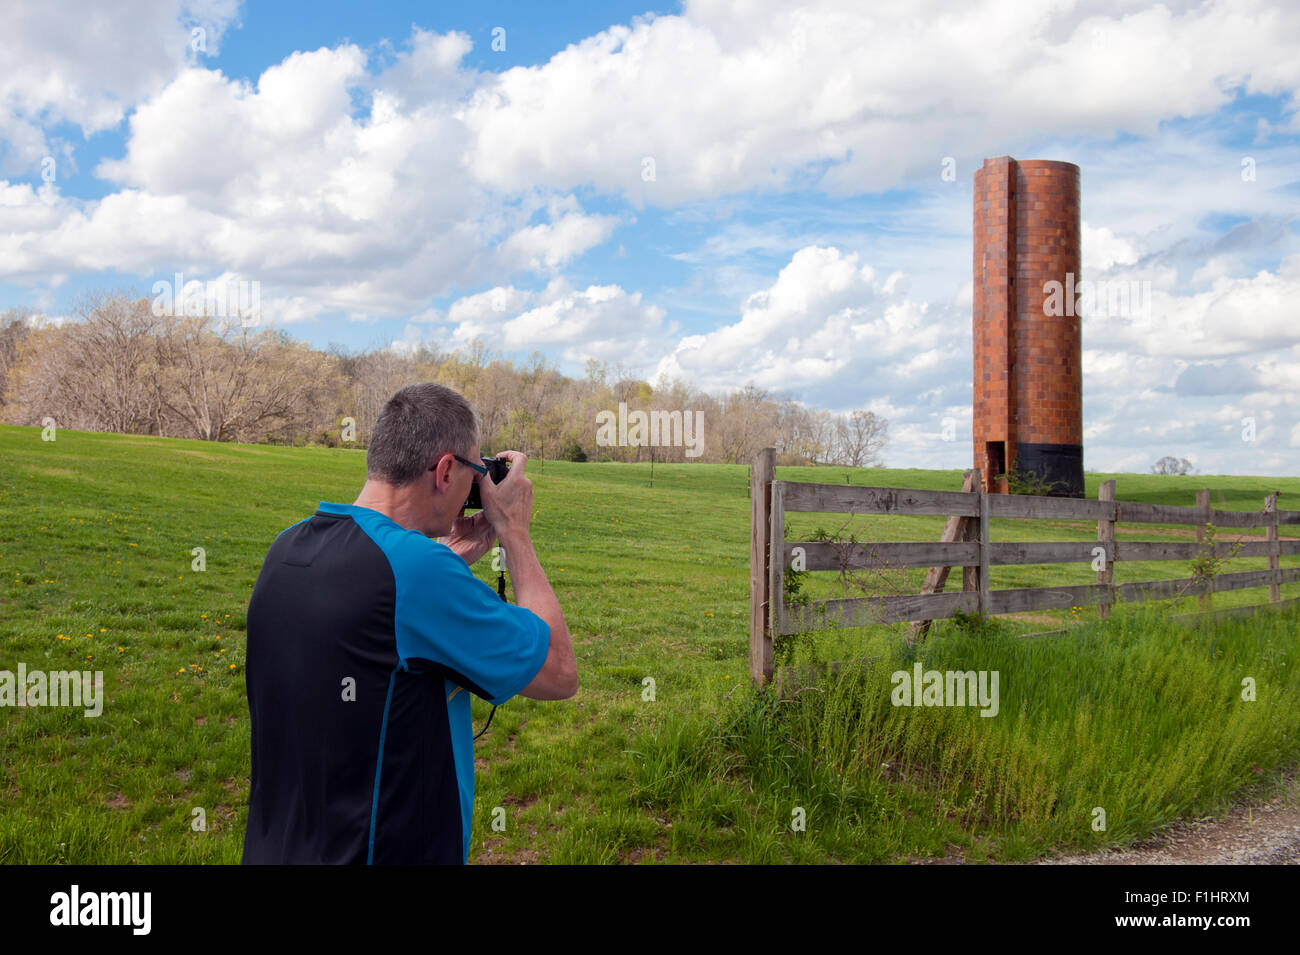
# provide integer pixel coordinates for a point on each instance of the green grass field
(1137, 716)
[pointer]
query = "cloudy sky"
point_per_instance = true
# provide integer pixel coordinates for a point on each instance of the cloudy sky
(726, 192)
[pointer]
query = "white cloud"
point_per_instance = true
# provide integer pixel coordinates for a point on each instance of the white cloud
(825, 317)
(365, 183)
(728, 99)
(603, 322)
(72, 62)
(368, 215)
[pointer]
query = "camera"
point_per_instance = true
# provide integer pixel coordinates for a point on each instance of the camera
(496, 470)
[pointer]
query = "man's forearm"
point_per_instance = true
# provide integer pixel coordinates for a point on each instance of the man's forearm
(533, 591)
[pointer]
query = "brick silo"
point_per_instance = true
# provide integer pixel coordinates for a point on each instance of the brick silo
(1028, 404)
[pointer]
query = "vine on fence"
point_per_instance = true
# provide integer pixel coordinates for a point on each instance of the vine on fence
(1206, 564)
(1029, 482)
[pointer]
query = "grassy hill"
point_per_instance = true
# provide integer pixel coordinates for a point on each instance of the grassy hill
(96, 572)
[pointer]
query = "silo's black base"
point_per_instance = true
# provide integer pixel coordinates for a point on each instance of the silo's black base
(1059, 463)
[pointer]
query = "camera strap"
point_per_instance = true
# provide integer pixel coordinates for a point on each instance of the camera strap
(501, 592)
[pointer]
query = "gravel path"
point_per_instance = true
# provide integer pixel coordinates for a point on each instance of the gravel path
(1253, 834)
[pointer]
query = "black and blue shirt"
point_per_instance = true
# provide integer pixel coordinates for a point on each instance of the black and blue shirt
(365, 640)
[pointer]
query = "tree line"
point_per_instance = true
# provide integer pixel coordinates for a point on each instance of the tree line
(116, 366)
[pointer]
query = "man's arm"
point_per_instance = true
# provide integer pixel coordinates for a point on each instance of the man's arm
(509, 507)
(558, 677)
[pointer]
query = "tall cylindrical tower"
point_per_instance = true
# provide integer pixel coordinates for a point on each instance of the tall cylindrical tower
(1028, 400)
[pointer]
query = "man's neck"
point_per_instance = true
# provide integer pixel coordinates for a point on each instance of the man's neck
(395, 503)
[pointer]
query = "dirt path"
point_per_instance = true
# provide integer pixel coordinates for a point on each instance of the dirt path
(1261, 833)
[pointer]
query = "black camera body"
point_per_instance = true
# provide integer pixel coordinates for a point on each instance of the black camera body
(497, 469)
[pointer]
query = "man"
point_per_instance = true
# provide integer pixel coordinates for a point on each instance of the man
(366, 637)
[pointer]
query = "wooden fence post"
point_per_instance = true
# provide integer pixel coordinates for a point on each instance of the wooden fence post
(1106, 537)
(1274, 588)
(776, 565)
(984, 553)
(936, 578)
(762, 474)
(1203, 505)
(970, 576)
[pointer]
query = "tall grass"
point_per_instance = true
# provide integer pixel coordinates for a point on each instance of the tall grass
(1137, 717)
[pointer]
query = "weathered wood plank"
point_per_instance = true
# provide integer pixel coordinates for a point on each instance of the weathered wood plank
(822, 555)
(836, 498)
(1186, 550)
(970, 575)
(1133, 513)
(1202, 532)
(957, 529)
(1045, 598)
(762, 474)
(776, 569)
(866, 611)
(1273, 546)
(830, 555)
(1106, 538)
(1159, 589)
(1044, 552)
(984, 580)
(1255, 578)
(1031, 507)
(1238, 518)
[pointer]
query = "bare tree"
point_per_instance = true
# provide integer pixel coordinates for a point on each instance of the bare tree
(1172, 465)
(225, 382)
(372, 378)
(93, 373)
(860, 438)
(13, 330)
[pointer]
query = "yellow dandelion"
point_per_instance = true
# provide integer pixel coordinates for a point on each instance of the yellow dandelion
(121, 649)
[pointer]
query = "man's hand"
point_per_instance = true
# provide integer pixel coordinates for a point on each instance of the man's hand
(470, 537)
(509, 505)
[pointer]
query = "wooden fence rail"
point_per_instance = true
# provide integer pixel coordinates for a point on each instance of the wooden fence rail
(966, 544)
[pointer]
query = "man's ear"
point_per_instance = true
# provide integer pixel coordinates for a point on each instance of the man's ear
(441, 470)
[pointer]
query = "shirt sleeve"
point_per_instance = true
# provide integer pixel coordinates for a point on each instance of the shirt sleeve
(450, 618)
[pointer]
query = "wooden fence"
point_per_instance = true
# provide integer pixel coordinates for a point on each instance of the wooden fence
(966, 544)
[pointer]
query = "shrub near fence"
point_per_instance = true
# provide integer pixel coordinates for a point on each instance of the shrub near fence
(967, 545)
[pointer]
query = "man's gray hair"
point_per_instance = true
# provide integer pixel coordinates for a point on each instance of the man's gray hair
(416, 426)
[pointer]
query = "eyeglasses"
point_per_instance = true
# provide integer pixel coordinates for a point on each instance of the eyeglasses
(480, 468)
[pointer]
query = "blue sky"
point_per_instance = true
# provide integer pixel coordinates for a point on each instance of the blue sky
(726, 193)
